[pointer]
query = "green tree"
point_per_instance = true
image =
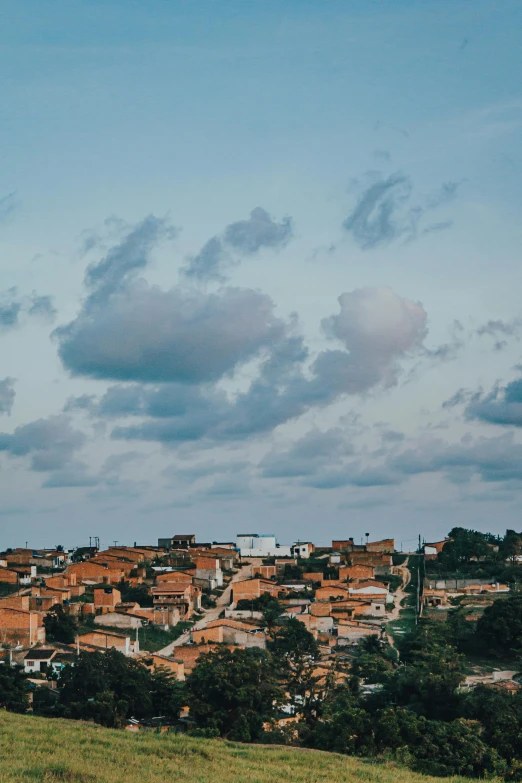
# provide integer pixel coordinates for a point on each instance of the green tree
(465, 546)
(234, 691)
(500, 715)
(14, 695)
(108, 688)
(431, 673)
(272, 612)
(59, 626)
(511, 546)
(345, 726)
(500, 627)
(372, 668)
(295, 652)
(454, 748)
(139, 594)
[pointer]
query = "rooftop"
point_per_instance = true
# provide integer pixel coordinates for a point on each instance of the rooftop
(39, 654)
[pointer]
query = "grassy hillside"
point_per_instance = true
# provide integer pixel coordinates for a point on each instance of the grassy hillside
(59, 751)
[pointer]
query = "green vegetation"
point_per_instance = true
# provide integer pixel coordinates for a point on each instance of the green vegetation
(153, 638)
(59, 751)
(394, 581)
(233, 692)
(139, 594)
(60, 627)
(109, 688)
(13, 689)
(500, 627)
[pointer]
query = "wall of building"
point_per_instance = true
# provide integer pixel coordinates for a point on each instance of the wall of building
(15, 602)
(20, 627)
(7, 576)
(106, 597)
(118, 620)
(208, 635)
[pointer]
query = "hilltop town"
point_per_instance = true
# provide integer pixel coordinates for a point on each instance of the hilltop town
(257, 641)
(196, 595)
(213, 591)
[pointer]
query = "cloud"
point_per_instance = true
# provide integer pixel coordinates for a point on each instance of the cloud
(42, 306)
(209, 262)
(354, 475)
(49, 442)
(245, 237)
(503, 405)
(7, 205)
(490, 459)
(74, 475)
(307, 455)
(249, 236)
(10, 308)
(7, 395)
(461, 397)
(147, 334)
(13, 305)
(377, 327)
(384, 211)
(498, 329)
(229, 487)
(448, 351)
(120, 265)
(392, 436)
(202, 470)
(128, 330)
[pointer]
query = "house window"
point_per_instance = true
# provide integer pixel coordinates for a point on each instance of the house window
(30, 663)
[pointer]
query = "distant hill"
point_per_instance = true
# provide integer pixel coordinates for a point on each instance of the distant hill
(60, 751)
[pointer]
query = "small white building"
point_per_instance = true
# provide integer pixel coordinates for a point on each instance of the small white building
(302, 549)
(38, 660)
(260, 545)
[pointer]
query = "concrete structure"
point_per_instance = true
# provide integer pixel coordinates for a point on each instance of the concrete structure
(106, 597)
(256, 545)
(38, 660)
(302, 549)
(109, 640)
(123, 620)
(357, 572)
(248, 589)
(94, 573)
(184, 597)
(208, 570)
(18, 627)
(179, 541)
(231, 632)
(174, 665)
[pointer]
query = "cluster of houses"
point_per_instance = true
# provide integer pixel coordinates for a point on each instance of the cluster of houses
(206, 595)
(340, 593)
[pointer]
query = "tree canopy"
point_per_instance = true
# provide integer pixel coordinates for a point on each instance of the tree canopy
(234, 691)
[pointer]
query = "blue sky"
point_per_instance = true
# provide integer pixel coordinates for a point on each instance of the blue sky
(259, 268)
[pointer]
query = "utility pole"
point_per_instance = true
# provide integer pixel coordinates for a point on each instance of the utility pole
(417, 607)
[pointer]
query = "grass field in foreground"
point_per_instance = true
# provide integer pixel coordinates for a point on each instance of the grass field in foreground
(60, 751)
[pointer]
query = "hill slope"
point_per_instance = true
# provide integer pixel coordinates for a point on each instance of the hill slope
(60, 751)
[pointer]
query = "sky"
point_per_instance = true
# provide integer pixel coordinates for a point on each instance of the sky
(259, 269)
